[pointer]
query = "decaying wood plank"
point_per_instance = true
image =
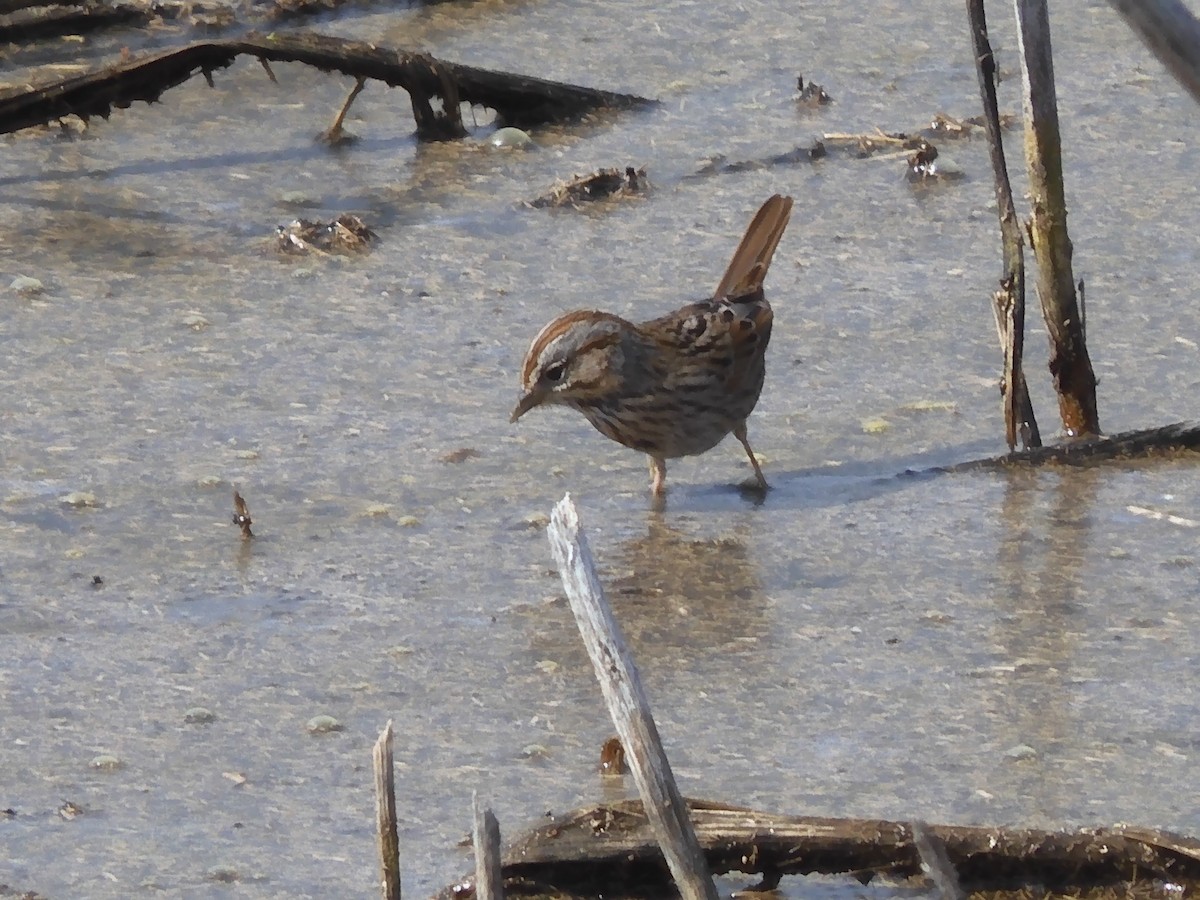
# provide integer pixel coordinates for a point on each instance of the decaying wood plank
(611, 849)
(520, 100)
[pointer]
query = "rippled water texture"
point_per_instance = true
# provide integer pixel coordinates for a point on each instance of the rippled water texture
(1011, 648)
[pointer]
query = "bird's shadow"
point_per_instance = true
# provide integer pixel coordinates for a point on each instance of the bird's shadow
(824, 486)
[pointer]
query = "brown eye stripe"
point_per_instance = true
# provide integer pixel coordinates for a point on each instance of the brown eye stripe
(599, 342)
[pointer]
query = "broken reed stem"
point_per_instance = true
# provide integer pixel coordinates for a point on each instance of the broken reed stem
(1074, 380)
(335, 130)
(1171, 32)
(485, 835)
(1008, 303)
(936, 862)
(627, 704)
(385, 815)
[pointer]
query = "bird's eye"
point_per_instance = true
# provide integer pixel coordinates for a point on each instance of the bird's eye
(554, 373)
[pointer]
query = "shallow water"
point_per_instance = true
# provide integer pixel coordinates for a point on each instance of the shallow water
(858, 644)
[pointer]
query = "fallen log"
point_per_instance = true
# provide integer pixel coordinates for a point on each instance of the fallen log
(520, 100)
(7, 7)
(34, 20)
(58, 18)
(611, 850)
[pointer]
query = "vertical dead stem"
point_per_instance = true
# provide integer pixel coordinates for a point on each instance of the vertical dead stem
(1070, 365)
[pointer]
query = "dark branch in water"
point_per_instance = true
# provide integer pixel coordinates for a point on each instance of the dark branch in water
(1148, 442)
(520, 100)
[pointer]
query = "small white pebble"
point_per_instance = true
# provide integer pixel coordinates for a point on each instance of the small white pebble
(1020, 752)
(195, 321)
(323, 725)
(80, 500)
(23, 284)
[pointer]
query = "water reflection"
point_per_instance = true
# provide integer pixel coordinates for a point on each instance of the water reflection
(674, 593)
(1041, 629)
(243, 556)
(676, 596)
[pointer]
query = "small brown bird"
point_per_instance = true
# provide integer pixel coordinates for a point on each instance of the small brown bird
(676, 385)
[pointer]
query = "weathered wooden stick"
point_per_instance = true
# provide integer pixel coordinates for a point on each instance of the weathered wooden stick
(1074, 380)
(1005, 311)
(336, 133)
(1171, 32)
(627, 704)
(385, 815)
(485, 835)
(1008, 303)
(935, 861)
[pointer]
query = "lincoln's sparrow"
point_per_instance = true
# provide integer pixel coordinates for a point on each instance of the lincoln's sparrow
(676, 385)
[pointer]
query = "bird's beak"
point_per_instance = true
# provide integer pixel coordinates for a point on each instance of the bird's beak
(525, 404)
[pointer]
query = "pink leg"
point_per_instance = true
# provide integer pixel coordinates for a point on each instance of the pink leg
(658, 475)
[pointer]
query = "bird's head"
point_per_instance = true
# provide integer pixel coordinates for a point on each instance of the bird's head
(576, 360)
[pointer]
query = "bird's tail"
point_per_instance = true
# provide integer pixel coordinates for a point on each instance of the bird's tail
(750, 262)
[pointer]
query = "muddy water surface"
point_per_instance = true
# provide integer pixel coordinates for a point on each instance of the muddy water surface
(991, 648)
